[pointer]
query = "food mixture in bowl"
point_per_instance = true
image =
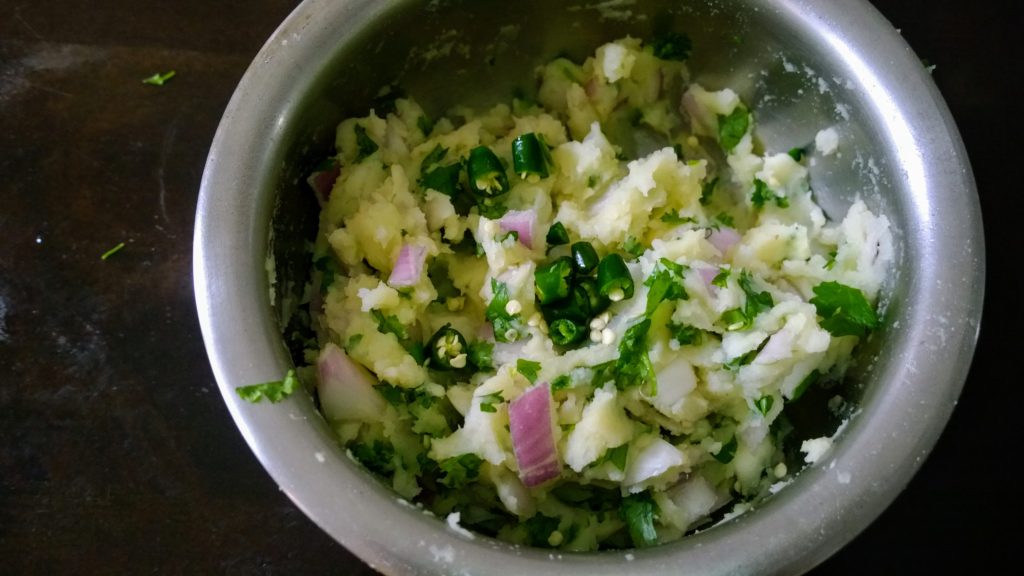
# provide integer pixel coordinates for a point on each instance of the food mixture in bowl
(580, 319)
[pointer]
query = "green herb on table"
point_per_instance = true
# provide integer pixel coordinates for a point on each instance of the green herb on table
(112, 251)
(633, 367)
(762, 194)
(460, 470)
(633, 247)
(755, 303)
(273, 391)
(159, 79)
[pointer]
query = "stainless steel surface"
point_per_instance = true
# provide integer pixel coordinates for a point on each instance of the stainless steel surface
(803, 66)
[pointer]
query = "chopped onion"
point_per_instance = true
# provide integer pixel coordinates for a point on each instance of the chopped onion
(522, 222)
(346, 389)
(724, 238)
(708, 276)
(409, 266)
(651, 461)
(533, 440)
(322, 182)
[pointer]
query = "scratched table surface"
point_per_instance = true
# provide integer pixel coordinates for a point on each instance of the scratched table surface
(117, 454)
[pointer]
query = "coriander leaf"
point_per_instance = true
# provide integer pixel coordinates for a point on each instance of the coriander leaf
(672, 46)
(433, 158)
(725, 220)
(675, 218)
(389, 324)
(727, 451)
(764, 404)
(563, 382)
(460, 470)
(721, 279)
(665, 283)
(707, 190)
(481, 355)
(393, 394)
(831, 262)
(617, 456)
(733, 127)
(506, 326)
(487, 402)
(845, 310)
(528, 368)
(508, 238)
(378, 457)
(159, 79)
(755, 303)
(797, 153)
(633, 367)
(273, 391)
(444, 179)
(633, 246)
(638, 512)
(353, 341)
(365, 144)
(425, 125)
(806, 383)
(685, 334)
(745, 358)
(112, 251)
(762, 194)
(539, 529)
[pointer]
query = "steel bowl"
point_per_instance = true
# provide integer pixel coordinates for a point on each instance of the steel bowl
(801, 64)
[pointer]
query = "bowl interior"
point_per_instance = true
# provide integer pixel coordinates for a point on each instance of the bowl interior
(802, 66)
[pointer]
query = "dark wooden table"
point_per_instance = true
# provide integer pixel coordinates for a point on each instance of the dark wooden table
(116, 452)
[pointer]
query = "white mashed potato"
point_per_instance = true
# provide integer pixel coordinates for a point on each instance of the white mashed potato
(572, 407)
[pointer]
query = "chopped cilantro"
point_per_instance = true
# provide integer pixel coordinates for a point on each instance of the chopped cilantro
(806, 383)
(685, 334)
(508, 238)
(733, 127)
(378, 457)
(725, 220)
(393, 394)
(353, 341)
(617, 456)
(665, 283)
(444, 179)
(675, 218)
(633, 246)
(506, 326)
(528, 368)
(672, 46)
(460, 470)
(539, 529)
(385, 101)
(845, 311)
(159, 79)
(721, 279)
(638, 512)
(426, 125)
(433, 158)
(112, 251)
(763, 194)
(633, 367)
(389, 324)
(481, 355)
(707, 190)
(755, 303)
(797, 153)
(487, 402)
(365, 144)
(831, 262)
(764, 404)
(563, 382)
(727, 451)
(273, 391)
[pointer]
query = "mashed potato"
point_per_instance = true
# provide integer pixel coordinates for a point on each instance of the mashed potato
(570, 335)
